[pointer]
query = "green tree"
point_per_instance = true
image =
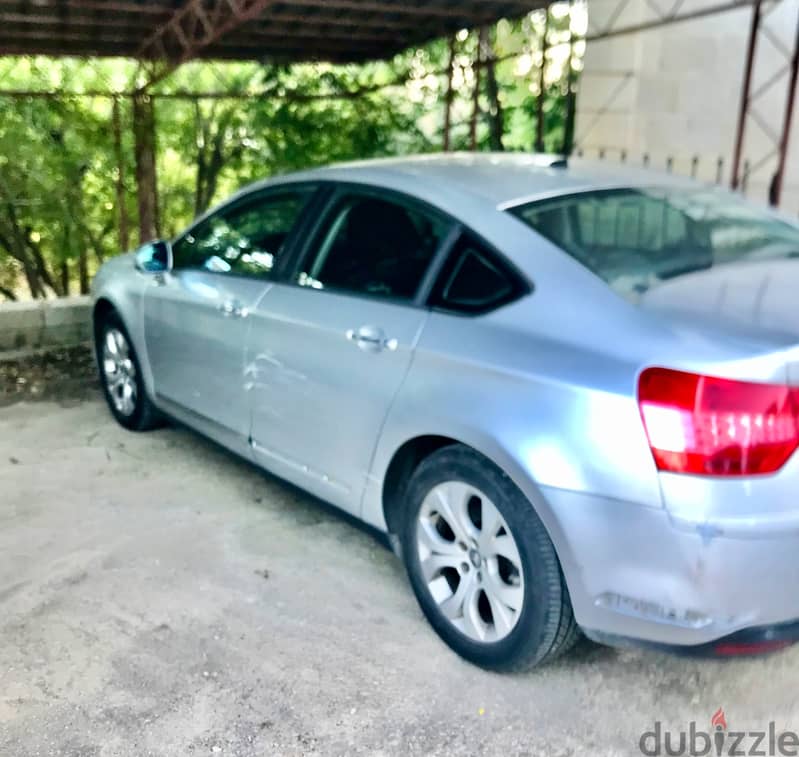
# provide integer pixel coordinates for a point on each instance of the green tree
(66, 180)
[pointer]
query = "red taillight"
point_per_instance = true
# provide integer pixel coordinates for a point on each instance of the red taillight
(717, 427)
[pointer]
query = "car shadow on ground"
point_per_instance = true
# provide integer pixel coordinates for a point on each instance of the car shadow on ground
(309, 510)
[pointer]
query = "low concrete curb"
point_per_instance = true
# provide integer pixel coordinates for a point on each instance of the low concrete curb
(43, 324)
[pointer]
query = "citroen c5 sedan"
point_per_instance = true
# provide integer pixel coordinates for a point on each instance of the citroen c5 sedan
(568, 393)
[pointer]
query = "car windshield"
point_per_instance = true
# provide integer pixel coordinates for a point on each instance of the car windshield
(634, 238)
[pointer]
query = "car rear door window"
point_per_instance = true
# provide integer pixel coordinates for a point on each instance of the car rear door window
(246, 239)
(373, 246)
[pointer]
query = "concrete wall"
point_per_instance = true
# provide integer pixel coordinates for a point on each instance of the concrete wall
(676, 91)
(44, 323)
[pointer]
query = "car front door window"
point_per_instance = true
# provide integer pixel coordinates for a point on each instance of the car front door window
(245, 240)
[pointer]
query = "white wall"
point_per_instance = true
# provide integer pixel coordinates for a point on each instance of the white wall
(675, 91)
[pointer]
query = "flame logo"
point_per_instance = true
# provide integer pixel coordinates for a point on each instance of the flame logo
(718, 720)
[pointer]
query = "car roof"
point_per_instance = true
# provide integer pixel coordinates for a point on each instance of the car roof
(502, 179)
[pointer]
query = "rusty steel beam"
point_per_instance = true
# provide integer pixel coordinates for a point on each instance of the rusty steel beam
(746, 91)
(476, 94)
(779, 177)
(59, 49)
(290, 96)
(449, 94)
(13, 36)
(250, 48)
(571, 94)
(302, 29)
(350, 22)
(278, 29)
(193, 27)
(143, 115)
(672, 18)
(495, 113)
(119, 156)
(542, 71)
(85, 19)
(84, 13)
(65, 7)
(766, 119)
(444, 11)
(112, 6)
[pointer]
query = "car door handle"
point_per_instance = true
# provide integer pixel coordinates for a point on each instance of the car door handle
(233, 309)
(371, 339)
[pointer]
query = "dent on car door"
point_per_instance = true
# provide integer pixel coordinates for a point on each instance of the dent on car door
(329, 350)
(196, 316)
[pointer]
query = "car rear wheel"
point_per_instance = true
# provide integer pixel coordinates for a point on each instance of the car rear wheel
(482, 565)
(120, 375)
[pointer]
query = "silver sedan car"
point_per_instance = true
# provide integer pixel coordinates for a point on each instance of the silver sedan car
(569, 394)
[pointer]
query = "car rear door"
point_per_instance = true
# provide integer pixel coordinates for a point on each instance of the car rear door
(196, 317)
(328, 349)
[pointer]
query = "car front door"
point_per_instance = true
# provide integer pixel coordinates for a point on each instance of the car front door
(328, 350)
(196, 316)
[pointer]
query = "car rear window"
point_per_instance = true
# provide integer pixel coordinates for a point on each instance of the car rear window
(636, 237)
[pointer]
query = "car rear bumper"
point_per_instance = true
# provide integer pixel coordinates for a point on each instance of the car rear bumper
(635, 573)
(749, 641)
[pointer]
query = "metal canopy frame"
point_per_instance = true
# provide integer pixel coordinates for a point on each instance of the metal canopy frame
(173, 31)
(191, 29)
(676, 13)
(670, 12)
(163, 34)
(759, 31)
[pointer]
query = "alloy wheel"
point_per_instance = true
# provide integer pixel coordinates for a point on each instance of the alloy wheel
(470, 561)
(119, 372)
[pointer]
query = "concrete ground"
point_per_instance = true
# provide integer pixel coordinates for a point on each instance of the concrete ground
(158, 597)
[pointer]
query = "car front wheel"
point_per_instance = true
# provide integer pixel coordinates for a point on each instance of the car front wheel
(482, 565)
(121, 377)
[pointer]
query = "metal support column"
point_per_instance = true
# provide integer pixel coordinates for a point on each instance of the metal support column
(449, 95)
(146, 179)
(571, 95)
(119, 155)
(477, 68)
(745, 94)
(539, 132)
(776, 187)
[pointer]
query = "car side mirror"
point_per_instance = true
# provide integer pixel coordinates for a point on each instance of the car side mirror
(154, 257)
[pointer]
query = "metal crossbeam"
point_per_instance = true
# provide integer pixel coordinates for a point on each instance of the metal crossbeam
(675, 15)
(193, 27)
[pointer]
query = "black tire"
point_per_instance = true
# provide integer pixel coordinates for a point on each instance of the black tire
(545, 627)
(145, 415)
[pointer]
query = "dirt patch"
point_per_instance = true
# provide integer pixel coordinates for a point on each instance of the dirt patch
(62, 374)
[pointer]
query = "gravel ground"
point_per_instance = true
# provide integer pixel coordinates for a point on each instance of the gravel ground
(159, 597)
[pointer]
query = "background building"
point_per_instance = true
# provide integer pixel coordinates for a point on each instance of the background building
(670, 93)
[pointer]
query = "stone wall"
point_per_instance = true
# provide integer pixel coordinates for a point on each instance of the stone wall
(42, 324)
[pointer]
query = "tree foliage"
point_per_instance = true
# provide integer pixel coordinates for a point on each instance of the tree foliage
(60, 164)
